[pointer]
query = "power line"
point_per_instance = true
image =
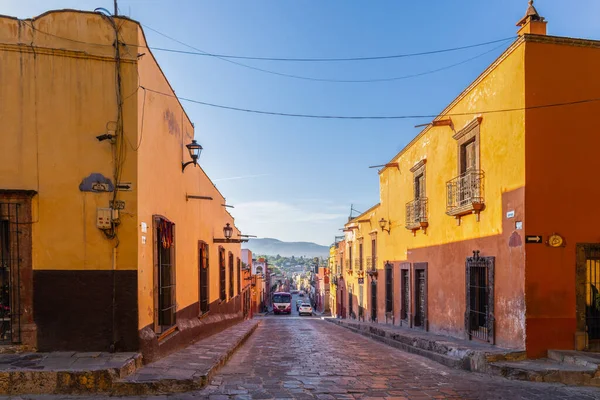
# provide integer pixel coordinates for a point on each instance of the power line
(361, 117)
(308, 78)
(370, 58)
(301, 77)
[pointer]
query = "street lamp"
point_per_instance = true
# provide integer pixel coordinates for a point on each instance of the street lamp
(383, 224)
(228, 231)
(194, 149)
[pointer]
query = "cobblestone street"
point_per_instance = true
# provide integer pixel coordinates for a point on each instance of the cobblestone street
(306, 358)
(310, 358)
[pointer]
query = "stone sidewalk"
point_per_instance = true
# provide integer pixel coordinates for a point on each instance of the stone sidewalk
(566, 367)
(452, 352)
(188, 369)
(64, 372)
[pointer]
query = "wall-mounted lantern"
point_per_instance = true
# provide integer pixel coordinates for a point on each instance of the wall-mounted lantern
(194, 149)
(383, 224)
(228, 233)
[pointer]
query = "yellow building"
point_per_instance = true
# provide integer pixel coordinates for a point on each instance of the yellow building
(481, 219)
(120, 244)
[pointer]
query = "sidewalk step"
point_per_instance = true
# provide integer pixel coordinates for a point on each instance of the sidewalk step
(188, 369)
(64, 372)
(454, 353)
(547, 370)
(575, 357)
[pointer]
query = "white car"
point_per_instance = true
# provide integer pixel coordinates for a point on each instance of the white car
(305, 308)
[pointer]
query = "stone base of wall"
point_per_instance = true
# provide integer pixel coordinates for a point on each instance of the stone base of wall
(190, 327)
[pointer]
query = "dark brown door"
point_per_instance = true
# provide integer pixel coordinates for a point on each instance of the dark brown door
(204, 276)
(405, 294)
(419, 297)
(374, 300)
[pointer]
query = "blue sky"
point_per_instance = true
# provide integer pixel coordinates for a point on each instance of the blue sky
(294, 179)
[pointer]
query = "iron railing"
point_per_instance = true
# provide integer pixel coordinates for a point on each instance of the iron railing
(416, 213)
(10, 275)
(592, 296)
(372, 263)
(465, 192)
(358, 263)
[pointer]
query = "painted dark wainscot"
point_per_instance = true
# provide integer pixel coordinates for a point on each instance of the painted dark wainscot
(446, 278)
(73, 310)
(191, 328)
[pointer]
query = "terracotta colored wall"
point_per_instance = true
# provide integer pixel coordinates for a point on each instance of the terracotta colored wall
(561, 192)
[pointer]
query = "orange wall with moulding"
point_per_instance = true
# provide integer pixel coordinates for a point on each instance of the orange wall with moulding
(561, 192)
(163, 188)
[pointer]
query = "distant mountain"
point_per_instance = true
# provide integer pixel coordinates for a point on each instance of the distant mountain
(272, 247)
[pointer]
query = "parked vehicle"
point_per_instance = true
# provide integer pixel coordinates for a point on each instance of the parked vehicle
(282, 303)
(305, 309)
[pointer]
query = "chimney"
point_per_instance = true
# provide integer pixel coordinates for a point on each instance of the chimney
(532, 22)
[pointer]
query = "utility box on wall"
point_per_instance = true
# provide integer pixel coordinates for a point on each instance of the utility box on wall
(104, 217)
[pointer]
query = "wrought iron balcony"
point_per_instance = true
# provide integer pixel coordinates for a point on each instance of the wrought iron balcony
(416, 214)
(358, 263)
(372, 265)
(465, 194)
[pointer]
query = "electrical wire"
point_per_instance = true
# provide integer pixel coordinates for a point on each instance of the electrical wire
(308, 78)
(380, 117)
(301, 77)
(372, 58)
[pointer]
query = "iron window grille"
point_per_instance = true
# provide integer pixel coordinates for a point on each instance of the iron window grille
(465, 193)
(360, 257)
(588, 293)
(165, 265)
(222, 281)
(374, 300)
(10, 266)
(389, 288)
(416, 214)
(204, 276)
(239, 276)
(479, 316)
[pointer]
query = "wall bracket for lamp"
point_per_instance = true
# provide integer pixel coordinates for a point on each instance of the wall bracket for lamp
(191, 196)
(392, 164)
(439, 122)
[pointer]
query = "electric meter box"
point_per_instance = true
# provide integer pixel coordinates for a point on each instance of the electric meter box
(104, 218)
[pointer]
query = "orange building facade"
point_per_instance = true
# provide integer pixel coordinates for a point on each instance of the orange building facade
(114, 238)
(482, 232)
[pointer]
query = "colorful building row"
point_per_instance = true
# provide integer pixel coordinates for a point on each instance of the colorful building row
(112, 236)
(487, 227)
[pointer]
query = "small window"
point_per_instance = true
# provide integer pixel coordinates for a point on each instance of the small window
(389, 288)
(231, 294)
(239, 276)
(222, 281)
(360, 256)
(165, 304)
(350, 255)
(203, 275)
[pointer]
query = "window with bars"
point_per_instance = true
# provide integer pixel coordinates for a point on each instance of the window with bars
(203, 276)
(239, 276)
(389, 288)
(222, 281)
(360, 256)
(350, 256)
(405, 294)
(231, 294)
(165, 303)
